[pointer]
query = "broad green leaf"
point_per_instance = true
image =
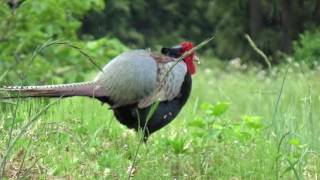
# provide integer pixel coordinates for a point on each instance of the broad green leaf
(295, 141)
(220, 108)
(198, 122)
(253, 122)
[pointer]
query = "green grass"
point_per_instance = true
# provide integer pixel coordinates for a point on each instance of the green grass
(245, 136)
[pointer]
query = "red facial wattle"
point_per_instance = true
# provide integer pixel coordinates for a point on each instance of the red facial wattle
(186, 46)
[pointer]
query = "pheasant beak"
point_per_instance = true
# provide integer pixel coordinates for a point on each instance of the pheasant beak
(196, 59)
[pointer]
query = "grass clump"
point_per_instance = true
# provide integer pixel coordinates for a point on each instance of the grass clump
(242, 125)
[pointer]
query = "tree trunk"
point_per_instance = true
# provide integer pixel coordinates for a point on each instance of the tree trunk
(255, 17)
(317, 13)
(286, 25)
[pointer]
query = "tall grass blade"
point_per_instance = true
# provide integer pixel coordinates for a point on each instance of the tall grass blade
(278, 101)
(142, 138)
(21, 133)
(68, 44)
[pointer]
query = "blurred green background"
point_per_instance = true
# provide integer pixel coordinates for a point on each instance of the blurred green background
(103, 29)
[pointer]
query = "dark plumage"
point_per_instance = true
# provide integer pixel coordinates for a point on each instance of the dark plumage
(172, 52)
(166, 111)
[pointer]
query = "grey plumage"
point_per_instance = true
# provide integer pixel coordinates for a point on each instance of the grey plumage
(167, 85)
(132, 77)
(129, 77)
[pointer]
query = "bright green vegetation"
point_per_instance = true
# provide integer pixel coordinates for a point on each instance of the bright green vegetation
(238, 124)
(231, 128)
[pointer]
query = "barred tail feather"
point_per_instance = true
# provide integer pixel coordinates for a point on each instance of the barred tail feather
(63, 90)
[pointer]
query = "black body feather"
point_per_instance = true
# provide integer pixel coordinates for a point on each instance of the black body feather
(135, 118)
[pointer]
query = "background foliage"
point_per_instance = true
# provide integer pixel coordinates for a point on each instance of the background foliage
(33, 25)
(26, 26)
(306, 49)
(273, 25)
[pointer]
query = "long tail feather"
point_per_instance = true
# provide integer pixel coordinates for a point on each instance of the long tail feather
(63, 90)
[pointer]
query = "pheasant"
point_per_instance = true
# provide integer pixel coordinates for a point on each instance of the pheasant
(131, 84)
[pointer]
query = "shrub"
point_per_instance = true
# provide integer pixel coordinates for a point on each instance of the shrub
(38, 24)
(307, 48)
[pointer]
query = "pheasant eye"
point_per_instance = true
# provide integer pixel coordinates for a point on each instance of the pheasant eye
(165, 51)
